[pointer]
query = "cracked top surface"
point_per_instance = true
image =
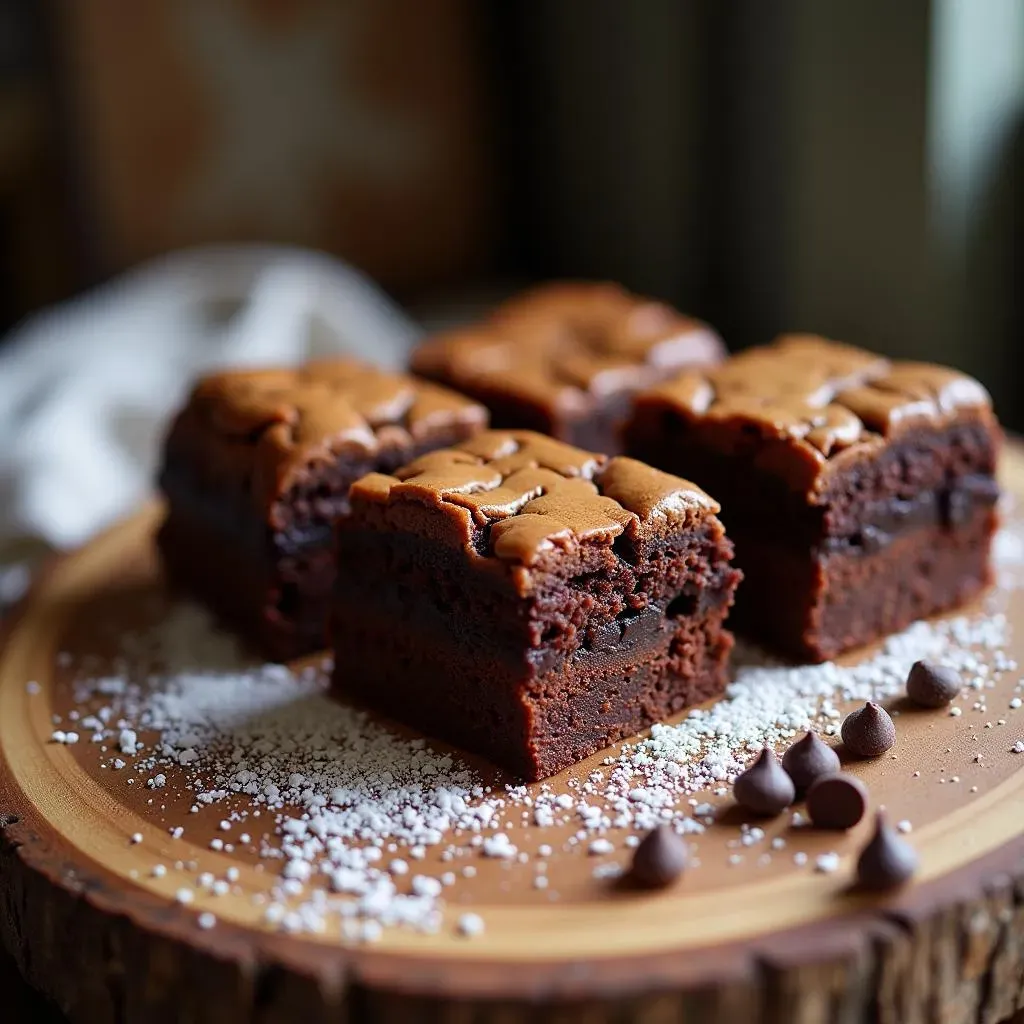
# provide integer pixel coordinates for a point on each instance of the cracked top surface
(566, 346)
(536, 495)
(819, 401)
(268, 425)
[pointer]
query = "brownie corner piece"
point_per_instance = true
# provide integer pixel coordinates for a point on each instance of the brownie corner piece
(565, 358)
(860, 492)
(532, 602)
(256, 470)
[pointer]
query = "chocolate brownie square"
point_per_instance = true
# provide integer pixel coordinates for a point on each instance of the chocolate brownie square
(860, 493)
(566, 359)
(256, 471)
(530, 602)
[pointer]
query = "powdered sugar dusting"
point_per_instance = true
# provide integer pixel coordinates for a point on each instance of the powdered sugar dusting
(770, 703)
(343, 812)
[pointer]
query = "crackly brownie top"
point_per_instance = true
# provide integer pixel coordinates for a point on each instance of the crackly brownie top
(272, 423)
(820, 399)
(537, 494)
(565, 345)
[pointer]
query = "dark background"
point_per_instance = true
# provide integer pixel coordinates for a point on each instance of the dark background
(852, 168)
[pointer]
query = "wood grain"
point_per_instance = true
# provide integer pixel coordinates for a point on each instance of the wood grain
(777, 946)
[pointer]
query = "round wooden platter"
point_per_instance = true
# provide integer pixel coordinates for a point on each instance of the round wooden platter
(765, 939)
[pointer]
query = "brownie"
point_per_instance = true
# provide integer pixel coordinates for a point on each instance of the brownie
(530, 602)
(566, 359)
(256, 470)
(860, 493)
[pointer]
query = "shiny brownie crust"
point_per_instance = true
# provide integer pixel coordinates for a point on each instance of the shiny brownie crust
(256, 471)
(532, 602)
(566, 359)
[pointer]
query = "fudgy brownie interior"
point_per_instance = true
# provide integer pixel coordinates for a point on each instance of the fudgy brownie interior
(531, 602)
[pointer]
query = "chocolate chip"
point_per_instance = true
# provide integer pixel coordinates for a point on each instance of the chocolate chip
(931, 685)
(764, 787)
(887, 860)
(868, 731)
(837, 801)
(659, 859)
(809, 759)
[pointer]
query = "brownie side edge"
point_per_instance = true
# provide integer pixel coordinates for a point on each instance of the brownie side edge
(949, 465)
(834, 602)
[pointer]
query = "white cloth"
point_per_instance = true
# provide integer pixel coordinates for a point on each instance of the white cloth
(86, 388)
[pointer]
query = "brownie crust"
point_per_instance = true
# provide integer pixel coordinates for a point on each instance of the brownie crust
(823, 454)
(532, 602)
(804, 410)
(256, 471)
(565, 359)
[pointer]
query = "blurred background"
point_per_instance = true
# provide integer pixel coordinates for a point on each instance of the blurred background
(850, 167)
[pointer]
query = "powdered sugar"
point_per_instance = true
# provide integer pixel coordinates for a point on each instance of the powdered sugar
(343, 812)
(770, 703)
(471, 925)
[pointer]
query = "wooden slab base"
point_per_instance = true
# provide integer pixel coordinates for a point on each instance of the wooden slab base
(758, 939)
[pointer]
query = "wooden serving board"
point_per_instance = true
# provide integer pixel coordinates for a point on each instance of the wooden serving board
(762, 939)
